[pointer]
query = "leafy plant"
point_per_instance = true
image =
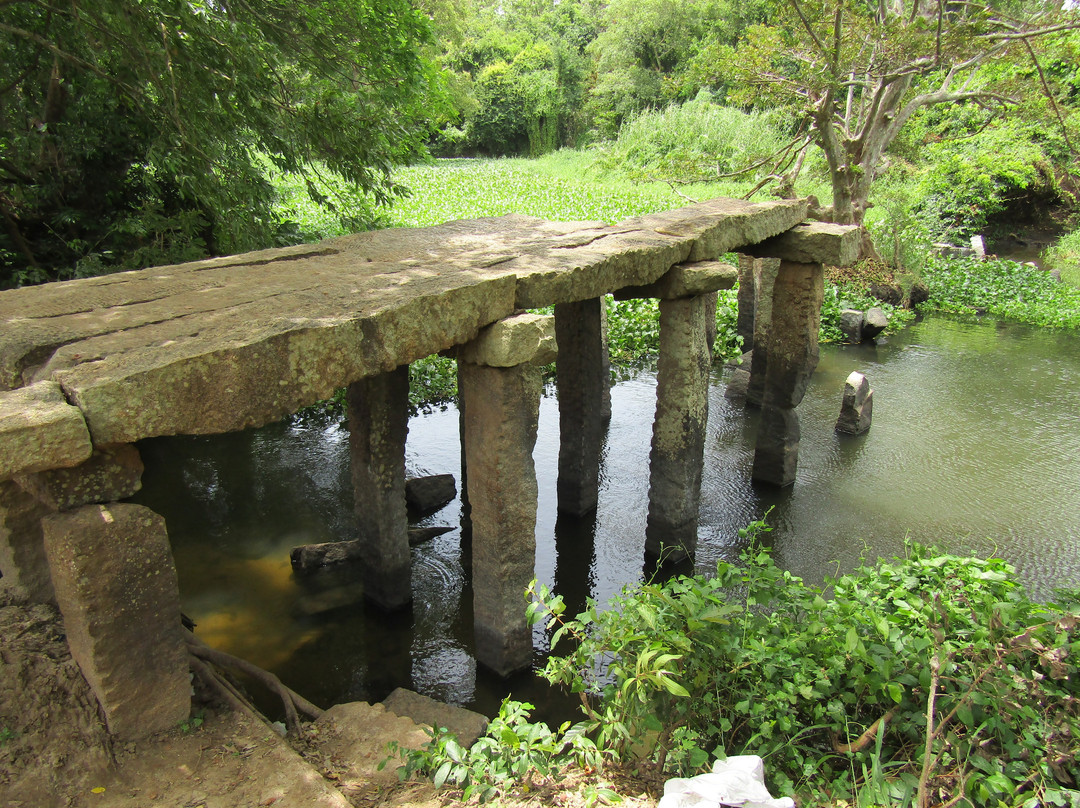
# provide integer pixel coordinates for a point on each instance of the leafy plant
(846, 296)
(7, 734)
(1004, 289)
(932, 676)
(513, 752)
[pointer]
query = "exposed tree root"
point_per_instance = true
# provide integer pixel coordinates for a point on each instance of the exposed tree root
(293, 702)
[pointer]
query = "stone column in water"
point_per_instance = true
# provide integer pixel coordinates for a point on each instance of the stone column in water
(764, 271)
(793, 355)
(501, 385)
(582, 380)
(378, 426)
(745, 321)
(788, 333)
(687, 301)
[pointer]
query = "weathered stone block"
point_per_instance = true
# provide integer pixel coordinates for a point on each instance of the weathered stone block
(851, 322)
(117, 591)
(111, 473)
(874, 322)
(467, 725)
(513, 341)
(685, 280)
(40, 430)
(426, 495)
(812, 243)
(501, 413)
(22, 550)
(857, 409)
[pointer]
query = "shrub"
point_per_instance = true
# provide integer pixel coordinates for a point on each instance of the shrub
(1064, 256)
(696, 141)
(931, 676)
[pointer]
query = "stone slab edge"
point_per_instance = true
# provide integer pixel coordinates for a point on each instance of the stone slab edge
(685, 280)
(813, 243)
(227, 390)
(39, 430)
(517, 340)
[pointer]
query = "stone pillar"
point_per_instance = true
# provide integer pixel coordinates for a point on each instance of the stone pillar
(744, 324)
(378, 425)
(501, 384)
(765, 271)
(22, 552)
(678, 443)
(116, 587)
(792, 356)
(582, 379)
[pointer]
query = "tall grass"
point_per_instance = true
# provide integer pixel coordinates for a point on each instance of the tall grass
(1064, 256)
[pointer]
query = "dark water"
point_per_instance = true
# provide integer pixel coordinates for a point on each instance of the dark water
(975, 447)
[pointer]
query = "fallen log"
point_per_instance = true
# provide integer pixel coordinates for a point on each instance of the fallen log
(310, 557)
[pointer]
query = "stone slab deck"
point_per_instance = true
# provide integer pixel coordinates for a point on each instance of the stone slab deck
(221, 345)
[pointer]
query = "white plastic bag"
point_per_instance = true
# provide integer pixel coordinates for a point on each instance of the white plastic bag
(738, 781)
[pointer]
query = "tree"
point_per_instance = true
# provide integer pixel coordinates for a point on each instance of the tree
(853, 73)
(132, 133)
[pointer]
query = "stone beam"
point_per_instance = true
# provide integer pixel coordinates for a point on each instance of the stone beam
(582, 376)
(378, 426)
(39, 430)
(837, 245)
(501, 412)
(685, 280)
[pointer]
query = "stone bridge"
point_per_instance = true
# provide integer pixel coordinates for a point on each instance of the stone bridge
(90, 367)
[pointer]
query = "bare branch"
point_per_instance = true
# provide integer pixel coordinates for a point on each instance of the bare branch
(806, 24)
(1050, 97)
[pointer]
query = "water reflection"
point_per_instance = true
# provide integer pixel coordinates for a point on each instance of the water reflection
(975, 446)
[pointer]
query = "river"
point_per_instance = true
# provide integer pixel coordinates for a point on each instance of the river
(975, 448)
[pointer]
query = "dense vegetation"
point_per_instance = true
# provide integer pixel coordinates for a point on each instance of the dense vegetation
(162, 131)
(926, 680)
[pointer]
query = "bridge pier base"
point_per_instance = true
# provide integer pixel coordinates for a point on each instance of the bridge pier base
(116, 586)
(678, 442)
(378, 426)
(501, 385)
(792, 350)
(582, 374)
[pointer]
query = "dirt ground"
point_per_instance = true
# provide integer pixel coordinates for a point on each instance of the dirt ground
(55, 752)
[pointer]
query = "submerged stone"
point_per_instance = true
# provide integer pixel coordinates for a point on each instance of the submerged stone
(857, 409)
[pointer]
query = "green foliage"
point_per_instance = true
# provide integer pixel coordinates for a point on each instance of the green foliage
(432, 383)
(634, 328)
(845, 296)
(929, 675)
(133, 133)
(1064, 256)
(692, 142)
(514, 752)
(193, 722)
(976, 170)
(1004, 289)
(7, 734)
